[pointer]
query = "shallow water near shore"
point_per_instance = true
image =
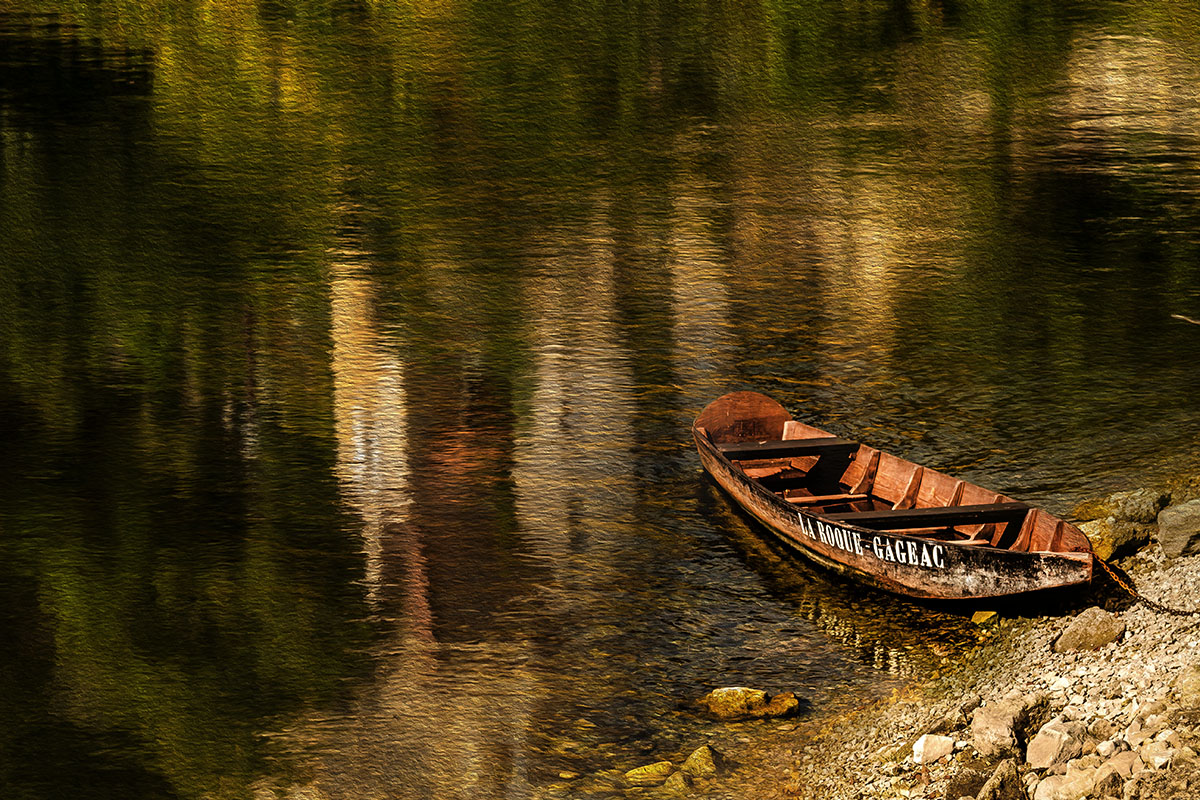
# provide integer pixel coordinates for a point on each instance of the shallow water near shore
(348, 353)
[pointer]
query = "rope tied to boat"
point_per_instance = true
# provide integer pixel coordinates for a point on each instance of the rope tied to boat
(1154, 605)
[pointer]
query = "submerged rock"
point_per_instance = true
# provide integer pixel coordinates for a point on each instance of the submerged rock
(1139, 505)
(704, 762)
(740, 702)
(1184, 487)
(678, 783)
(1179, 529)
(651, 774)
(1091, 630)
(982, 618)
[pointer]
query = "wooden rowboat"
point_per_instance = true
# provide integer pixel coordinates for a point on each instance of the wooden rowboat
(879, 518)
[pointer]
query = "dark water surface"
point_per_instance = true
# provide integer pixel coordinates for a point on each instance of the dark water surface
(348, 351)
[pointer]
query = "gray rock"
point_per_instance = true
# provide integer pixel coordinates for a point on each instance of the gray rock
(1112, 538)
(1091, 630)
(1000, 728)
(704, 762)
(1139, 505)
(1005, 783)
(1179, 529)
(1056, 743)
(740, 702)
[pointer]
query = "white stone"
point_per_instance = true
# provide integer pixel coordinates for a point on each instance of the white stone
(931, 747)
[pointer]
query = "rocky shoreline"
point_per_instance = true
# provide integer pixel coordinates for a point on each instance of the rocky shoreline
(1101, 702)
(1096, 704)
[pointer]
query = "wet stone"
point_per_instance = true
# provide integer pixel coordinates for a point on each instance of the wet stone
(704, 762)
(650, 774)
(741, 702)
(1112, 538)
(678, 783)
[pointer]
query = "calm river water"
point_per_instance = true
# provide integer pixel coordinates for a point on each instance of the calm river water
(348, 351)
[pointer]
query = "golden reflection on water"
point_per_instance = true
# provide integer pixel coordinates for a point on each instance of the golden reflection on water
(371, 420)
(572, 446)
(412, 726)
(888, 245)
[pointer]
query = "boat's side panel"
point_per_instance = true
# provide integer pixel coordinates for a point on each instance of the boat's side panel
(904, 564)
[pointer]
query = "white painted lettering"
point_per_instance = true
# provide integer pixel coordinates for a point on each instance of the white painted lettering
(806, 526)
(939, 556)
(877, 547)
(925, 561)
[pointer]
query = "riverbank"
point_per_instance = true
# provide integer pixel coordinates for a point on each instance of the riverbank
(1094, 702)
(1095, 698)
(1118, 721)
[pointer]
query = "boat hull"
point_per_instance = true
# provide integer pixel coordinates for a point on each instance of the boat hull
(907, 565)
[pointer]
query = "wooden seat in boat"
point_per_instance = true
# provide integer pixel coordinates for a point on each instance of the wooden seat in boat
(946, 516)
(823, 499)
(787, 448)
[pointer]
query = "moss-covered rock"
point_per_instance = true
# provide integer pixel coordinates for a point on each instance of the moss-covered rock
(740, 702)
(1139, 505)
(1112, 538)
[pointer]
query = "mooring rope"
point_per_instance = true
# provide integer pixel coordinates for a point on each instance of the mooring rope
(1141, 598)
